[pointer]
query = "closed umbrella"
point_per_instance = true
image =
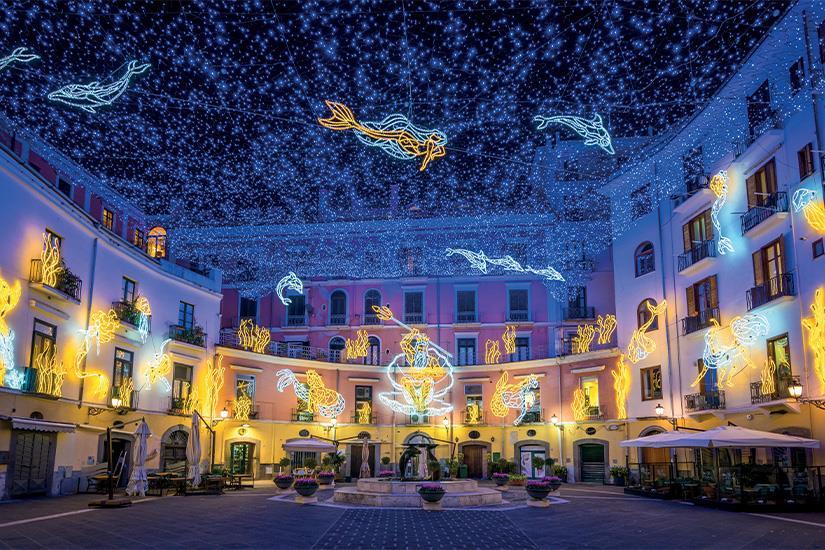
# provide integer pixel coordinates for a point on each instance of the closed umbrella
(723, 436)
(365, 459)
(193, 451)
(138, 482)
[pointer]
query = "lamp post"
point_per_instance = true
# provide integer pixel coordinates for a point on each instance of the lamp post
(660, 412)
(110, 501)
(795, 391)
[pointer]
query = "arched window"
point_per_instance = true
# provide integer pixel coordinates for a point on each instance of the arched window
(338, 308)
(173, 450)
(156, 242)
(371, 298)
(336, 349)
(373, 352)
(644, 259)
(643, 314)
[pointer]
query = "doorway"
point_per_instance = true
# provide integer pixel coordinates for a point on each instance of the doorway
(32, 462)
(527, 456)
(121, 459)
(173, 451)
(474, 459)
(240, 457)
(355, 461)
(592, 462)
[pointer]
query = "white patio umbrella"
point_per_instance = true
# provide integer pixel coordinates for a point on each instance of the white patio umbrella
(723, 436)
(138, 482)
(193, 451)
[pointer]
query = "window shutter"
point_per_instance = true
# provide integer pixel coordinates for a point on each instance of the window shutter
(691, 301)
(758, 274)
(770, 177)
(708, 225)
(686, 237)
(751, 185)
(714, 296)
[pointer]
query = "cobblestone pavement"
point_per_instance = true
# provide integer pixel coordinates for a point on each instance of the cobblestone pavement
(593, 517)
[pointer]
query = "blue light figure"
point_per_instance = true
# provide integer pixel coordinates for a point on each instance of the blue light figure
(94, 94)
(592, 130)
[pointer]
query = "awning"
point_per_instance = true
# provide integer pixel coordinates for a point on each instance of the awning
(723, 436)
(309, 444)
(18, 423)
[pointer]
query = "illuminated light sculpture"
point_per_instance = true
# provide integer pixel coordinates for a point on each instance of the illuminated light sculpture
(252, 336)
(358, 347)
(605, 327)
(584, 338)
(159, 367)
(50, 373)
(365, 413)
(579, 405)
(641, 345)
(719, 185)
(102, 327)
(519, 396)
(327, 402)
(214, 383)
(124, 392)
(242, 405)
(95, 94)
(767, 377)
(395, 135)
(803, 200)
(192, 400)
(492, 352)
(621, 386)
(9, 298)
(384, 313)
(144, 313)
(592, 130)
(50, 260)
(473, 413)
(509, 339)
(291, 282)
(815, 325)
(19, 55)
(479, 260)
(724, 358)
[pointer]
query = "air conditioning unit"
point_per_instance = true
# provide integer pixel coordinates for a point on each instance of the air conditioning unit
(417, 419)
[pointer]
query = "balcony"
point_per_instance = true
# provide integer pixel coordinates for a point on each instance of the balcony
(414, 318)
(356, 419)
(779, 391)
(124, 397)
(473, 416)
(127, 313)
(569, 347)
(771, 120)
(774, 288)
(68, 284)
(465, 317)
(39, 384)
(776, 203)
(417, 420)
(177, 406)
(579, 312)
(710, 400)
(518, 316)
(533, 417)
(371, 319)
(296, 320)
(337, 319)
(188, 335)
(302, 416)
(699, 321)
(705, 249)
(592, 414)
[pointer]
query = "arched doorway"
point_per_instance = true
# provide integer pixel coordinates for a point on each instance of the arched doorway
(650, 455)
(173, 450)
(241, 457)
(475, 457)
(526, 453)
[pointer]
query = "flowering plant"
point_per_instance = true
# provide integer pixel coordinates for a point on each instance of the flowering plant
(431, 488)
(386, 473)
(283, 476)
(551, 479)
(537, 484)
(500, 475)
(326, 474)
(306, 482)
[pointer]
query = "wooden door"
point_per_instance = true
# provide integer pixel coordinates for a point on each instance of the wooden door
(592, 463)
(473, 460)
(355, 461)
(31, 469)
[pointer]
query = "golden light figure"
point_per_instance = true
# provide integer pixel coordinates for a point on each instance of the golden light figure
(605, 327)
(621, 386)
(254, 337)
(214, 383)
(584, 338)
(384, 313)
(192, 401)
(365, 413)
(473, 413)
(242, 405)
(358, 347)
(102, 328)
(492, 352)
(327, 402)
(513, 396)
(804, 200)
(815, 326)
(50, 260)
(767, 377)
(578, 405)
(159, 367)
(50, 373)
(9, 297)
(641, 345)
(509, 339)
(124, 392)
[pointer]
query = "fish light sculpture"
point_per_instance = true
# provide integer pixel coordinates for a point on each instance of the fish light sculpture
(592, 130)
(95, 94)
(290, 282)
(19, 55)
(520, 396)
(803, 201)
(479, 260)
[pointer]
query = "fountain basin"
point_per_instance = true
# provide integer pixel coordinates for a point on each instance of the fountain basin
(395, 493)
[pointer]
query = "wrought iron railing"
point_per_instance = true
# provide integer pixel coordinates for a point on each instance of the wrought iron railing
(700, 320)
(710, 400)
(188, 335)
(125, 397)
(338, 319)
(766, 207)
(773, 288)
(67, 282)
(580, 312)
(645, 264)
(465, 317)
(533, 417)
(296, 320)
(414, 318)
(127, 313)
(592, 414)
(302, 416)
(371, 319)
(776, 389)
(704, 249)
(518, 315)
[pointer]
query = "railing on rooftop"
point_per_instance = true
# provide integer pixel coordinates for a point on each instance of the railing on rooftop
(767, 207)
(773, 288)
(67, 282)
(592, 414)
(705, 249)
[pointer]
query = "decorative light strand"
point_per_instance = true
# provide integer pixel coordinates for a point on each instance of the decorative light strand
(50, 260)
(479, 260)
(719, 185)
(815, 326)
(358, 347)
(94, 95)
(804, 200)
(492, 352)
(19, 56)
(724, 358)
(291, 282)
(144, 314)
(509, 339)
(9, 298)
(102, 328)
(641, 345)
(214, 382)
(252, 336)
(159, 367)
(621, 386)
(242, 404)
(513, 396)
(579, 405)
(327, 402)
(605, 327)
(584, 338)
(50, 373)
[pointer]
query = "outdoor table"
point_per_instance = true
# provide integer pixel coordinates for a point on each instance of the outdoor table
(164, 480)
(180, 484)
(236, 481)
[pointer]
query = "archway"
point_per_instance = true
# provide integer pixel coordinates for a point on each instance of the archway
(475, 457)
(173, 449)
(592, 458)
(526, 451)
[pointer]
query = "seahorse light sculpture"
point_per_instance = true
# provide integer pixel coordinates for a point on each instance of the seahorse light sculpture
(479, 260)
(519, 396)
(728, 359)
(509, 339)
(144, 313)
(605, 327)
(159, 367)
(94, 95)
(492, 352)
(719, 185)
(242, 405)
(50, 373)
(50, 260)
(327, 402)
(815, 325)
(9, 298)
(102, 327)
(214, 383)
(358, 347)
(621, 386)
(251, 336)
(291, 282)
(395, 135)
(767, 377)
(592, 130)
(803, 201)
(18, 55)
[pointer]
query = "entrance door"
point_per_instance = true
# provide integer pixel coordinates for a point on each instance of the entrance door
(355, 461)
(241, 457)
(592, 463)
(527, 454)
(121, 451)
(473, 459)
(32, 463)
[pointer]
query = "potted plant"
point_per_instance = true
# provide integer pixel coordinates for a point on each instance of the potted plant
(537, 489)
(325, 478)
(386, 473)
(435, 470)
(283, 481)
(310, 464)
(560, 471)
(553, 481)
(284, 463)
(517, 479)
(501, 479)
(306, 487)
(431, 492)
(538, 463)
(385, 460)
(619, 474)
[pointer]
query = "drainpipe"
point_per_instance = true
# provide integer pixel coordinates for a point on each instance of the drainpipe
(815, 100)
(438, 310)
(675, 308)
(559, 426)
(88, 317)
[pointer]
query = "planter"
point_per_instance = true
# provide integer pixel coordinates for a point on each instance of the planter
(500, 481)
(431, 496)
(537, 493)
(554, 485)
(306, 490)
(517, 482)
(283, 482)
(325, 480)
(619, 481)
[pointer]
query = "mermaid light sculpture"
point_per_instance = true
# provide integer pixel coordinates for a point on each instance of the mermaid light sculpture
(326, 402)
(519, 396)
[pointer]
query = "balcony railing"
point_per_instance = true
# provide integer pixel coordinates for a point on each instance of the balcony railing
(569, 347)
(371, 319)
(32, 383)
(700, 320)
(302, 416)
(592, 414)
(295, 350)
(705, 249)
(580, 312)
(533, 417)
(696, 182)
(465, 317)
(473, 416)
(338, 319)
(127, 313)
(67, 282)
(296, 320)
(518, 315)
(710, 400)
(356, 419)
(761, 394)
(770, 120)
(775, 287)
(127, 396)
(414, 318)
(193, 335)
(767, 207)
(177, 405)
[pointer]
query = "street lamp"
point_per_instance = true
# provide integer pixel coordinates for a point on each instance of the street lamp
(224, 414)
(795, 390)
(554, 420)
(446, 423)
(660, 410)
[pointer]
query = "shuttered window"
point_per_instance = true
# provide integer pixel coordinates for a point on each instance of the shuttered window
(762, 184)
(702, 296)
(697, 230)
(768, 262)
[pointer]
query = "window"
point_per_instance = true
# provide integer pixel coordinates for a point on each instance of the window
(779, 349)
(644, 260)
(518, 304)
(338, 308)
(373, 351)
(156, 243)
(44, 337)
(139, 239)
(465, 306)
(702, 304)
(522, 349)
(245, 383)
(640, 202)
(414, 306)
(466, 348)
(762, 185)
(817, 248)
(181, 384)
(54, 238)
(295, 311)
(697, 231)
(363, 404)
(708, 383)
(643, 314)
(759, 108)
(651, 383)
(797, 75)
(123, 367)
(336, 349)
(577, 304)
(768, 263)
(108, 219)
(186, 316)
(534, 409)
(371, 298)
(474, 400)
(64, 187)
(128, 290)
(805, 159)
(248, 308)
(590, 388)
